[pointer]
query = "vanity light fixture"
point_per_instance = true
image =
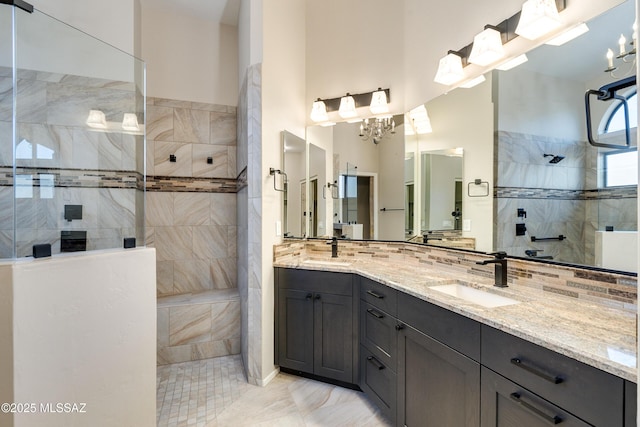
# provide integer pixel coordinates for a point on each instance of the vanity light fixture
(449, 69)
(379, 103)
(538, 18)
(487, 47)
(569, 35)
(319, 111)
(130, 122)
(96, 119)
(420, 120)
(512, 63)
(473, 82)
(347, 108)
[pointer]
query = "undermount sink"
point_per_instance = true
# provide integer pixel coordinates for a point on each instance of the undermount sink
(475, 296)
(326, 262)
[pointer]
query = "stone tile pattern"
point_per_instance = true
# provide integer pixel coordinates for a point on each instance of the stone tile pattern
(560, 199)
(249, 160)
(608, 289)
(191, 221)
(198, 326)
(215, 393)
(66, 162)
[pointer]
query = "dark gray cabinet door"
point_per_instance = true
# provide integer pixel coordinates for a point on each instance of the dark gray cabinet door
(295, 330)
(437, 386)
(630, 404)
(506, 404)
(333, 337)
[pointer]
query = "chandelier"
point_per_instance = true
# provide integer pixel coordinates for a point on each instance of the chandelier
(375, 129)
(626, 56)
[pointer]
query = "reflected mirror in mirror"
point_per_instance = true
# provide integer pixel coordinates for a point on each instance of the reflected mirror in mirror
(318, 192)
(294, 161)
(556, 195)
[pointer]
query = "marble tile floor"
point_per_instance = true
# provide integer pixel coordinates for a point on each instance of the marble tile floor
(215, 393)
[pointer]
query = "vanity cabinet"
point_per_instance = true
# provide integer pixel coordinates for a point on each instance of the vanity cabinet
(379, 345)
(437, 384)
(505, 403)
(315, 328)
(588, 393)
(630, 404)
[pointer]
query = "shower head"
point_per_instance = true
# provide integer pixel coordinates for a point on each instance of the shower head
(555, 158)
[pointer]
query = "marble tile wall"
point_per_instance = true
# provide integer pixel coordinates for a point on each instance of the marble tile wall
(59, 161)
(560, 199)
(199, 326)
(191, 219)
(610, 289)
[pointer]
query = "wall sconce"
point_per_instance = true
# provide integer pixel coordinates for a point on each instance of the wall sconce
(538, 18)
(487, 47)
(130, 122)
(347, 109)
(377, 101)
(319, 111)
(450, 69)
(96, 119)
(419, 120)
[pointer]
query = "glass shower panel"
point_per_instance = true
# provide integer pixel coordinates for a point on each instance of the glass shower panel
(6, 133)
(79, 139)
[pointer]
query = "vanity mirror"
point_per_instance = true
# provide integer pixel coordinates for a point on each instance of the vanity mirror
(294, 165)
(528, 175)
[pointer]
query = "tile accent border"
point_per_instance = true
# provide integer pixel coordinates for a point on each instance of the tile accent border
(551, 193)
(609, 289)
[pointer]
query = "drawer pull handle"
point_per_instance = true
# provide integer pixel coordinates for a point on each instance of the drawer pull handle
(399, 327)
(317, 297)
(553, 379)
(551, 419)
(375, 313)
(375, 294)
(309, 296)
(375, 362)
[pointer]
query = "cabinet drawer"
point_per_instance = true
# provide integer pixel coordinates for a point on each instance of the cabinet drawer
(378, 382)
(587, 392)
(316, 281)
(378, 333)
(379, 295)
(506, 403)
(458, 332)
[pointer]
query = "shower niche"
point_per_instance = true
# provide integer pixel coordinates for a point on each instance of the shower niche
(72, 138)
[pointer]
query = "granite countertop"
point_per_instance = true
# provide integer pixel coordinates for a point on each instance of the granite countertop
(594, 334)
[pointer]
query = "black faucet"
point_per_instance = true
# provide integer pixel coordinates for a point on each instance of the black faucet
(500, 261)
(430, 236)
(334, 247)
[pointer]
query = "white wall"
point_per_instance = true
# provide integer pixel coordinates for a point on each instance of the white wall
(444, 173)
(189, 57)
(464, 118)
(112, 21)
(356, 47)
(283, 98)
(391, 185)
(84, 331)
(538, 104)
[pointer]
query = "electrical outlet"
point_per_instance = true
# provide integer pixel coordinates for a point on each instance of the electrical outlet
(466, 225)
(278, 228)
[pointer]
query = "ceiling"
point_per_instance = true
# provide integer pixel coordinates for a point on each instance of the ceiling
(584, 58)
(221, 11)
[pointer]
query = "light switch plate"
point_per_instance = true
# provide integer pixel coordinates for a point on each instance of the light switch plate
(466, 225)
(278, 228)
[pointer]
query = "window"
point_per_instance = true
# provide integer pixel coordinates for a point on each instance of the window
(616, 118)
(620, 168)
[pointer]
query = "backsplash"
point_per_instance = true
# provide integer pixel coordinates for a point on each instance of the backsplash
(614, 290)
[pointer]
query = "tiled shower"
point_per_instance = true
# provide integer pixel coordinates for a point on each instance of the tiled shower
(65, 181)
